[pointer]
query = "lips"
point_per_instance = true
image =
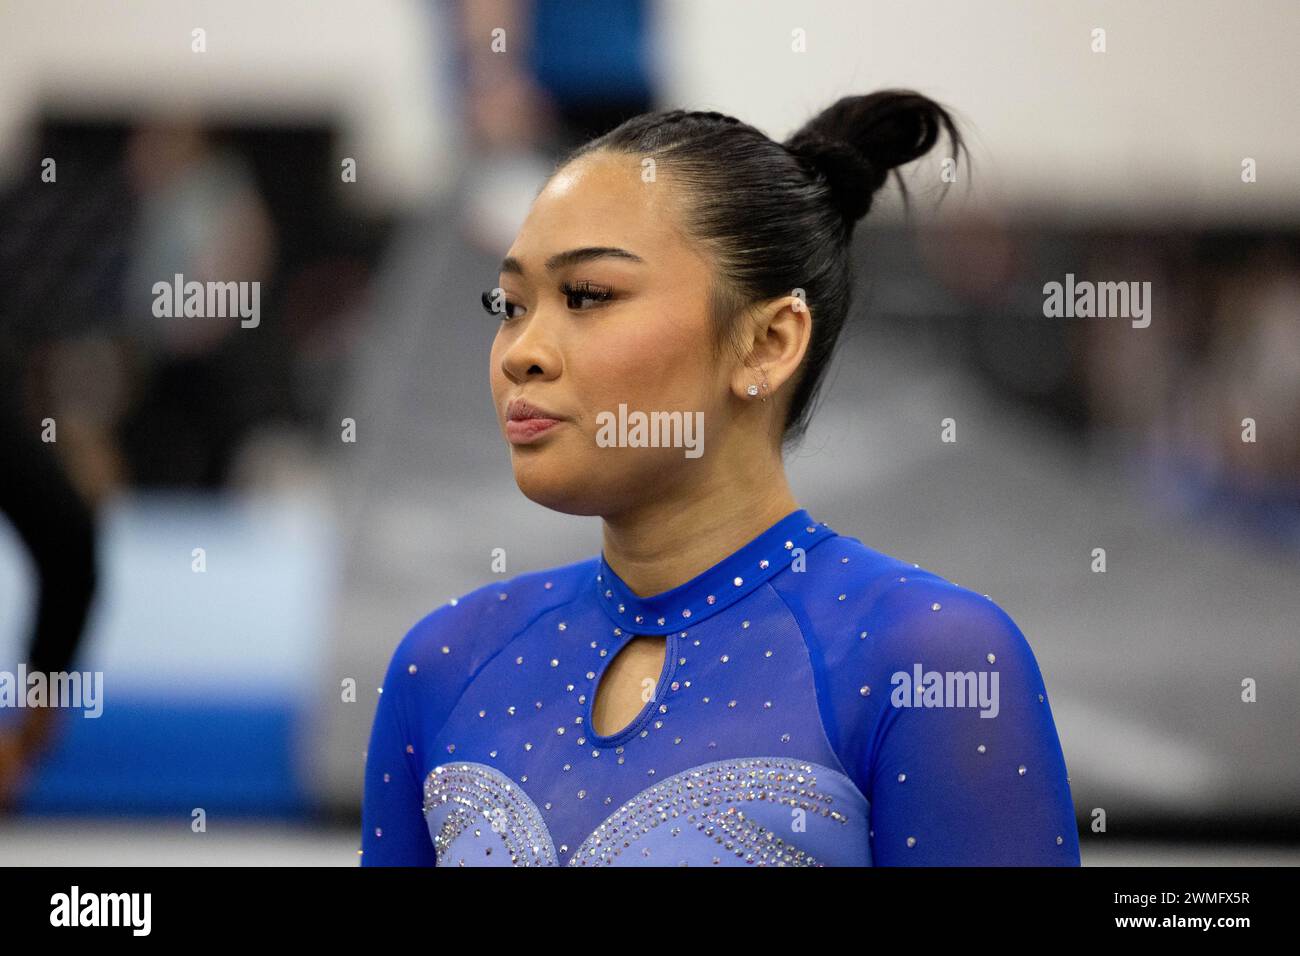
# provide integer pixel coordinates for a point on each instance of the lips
(526, 421)
(520, 410)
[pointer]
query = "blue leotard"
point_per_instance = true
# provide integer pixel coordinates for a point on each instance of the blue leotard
(820, 704)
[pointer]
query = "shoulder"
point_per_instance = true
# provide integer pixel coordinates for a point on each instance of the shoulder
(897, 611)
(458, 636)
(926, 617)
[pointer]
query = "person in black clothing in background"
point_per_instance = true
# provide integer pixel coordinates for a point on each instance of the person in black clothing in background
(57, 527)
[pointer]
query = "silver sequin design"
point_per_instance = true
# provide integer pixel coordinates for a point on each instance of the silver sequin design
(485, 798)
(711, 797)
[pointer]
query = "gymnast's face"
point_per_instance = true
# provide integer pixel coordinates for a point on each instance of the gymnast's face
(606, 303)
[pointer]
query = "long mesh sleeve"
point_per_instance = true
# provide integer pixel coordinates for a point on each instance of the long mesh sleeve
(393, 831)
(949, 786)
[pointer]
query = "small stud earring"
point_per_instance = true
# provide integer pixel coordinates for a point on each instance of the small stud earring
(751, 390)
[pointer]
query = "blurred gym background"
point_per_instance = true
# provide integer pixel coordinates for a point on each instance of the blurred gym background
(1169, 157)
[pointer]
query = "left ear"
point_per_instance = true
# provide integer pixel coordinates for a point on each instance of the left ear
(779, 332)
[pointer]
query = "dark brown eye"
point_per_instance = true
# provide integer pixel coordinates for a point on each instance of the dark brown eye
(575, 293)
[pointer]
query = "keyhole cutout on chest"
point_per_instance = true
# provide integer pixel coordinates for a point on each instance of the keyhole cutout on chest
(628, 684)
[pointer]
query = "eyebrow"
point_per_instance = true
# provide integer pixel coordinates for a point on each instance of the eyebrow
(571, 257)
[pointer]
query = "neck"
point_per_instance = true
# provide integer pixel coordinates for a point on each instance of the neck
(660, 544)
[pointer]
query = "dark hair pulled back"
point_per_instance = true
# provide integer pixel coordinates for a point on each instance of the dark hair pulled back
(779, 216)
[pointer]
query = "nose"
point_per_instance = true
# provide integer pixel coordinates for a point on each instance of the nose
(533, 353)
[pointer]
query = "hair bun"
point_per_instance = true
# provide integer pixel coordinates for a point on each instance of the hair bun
(851, 177)
(858, 140)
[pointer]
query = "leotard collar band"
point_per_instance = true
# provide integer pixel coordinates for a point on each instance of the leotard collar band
(713, 590)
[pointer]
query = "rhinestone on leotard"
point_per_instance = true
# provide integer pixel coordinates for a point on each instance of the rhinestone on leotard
(710, 798)
(477, 792)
